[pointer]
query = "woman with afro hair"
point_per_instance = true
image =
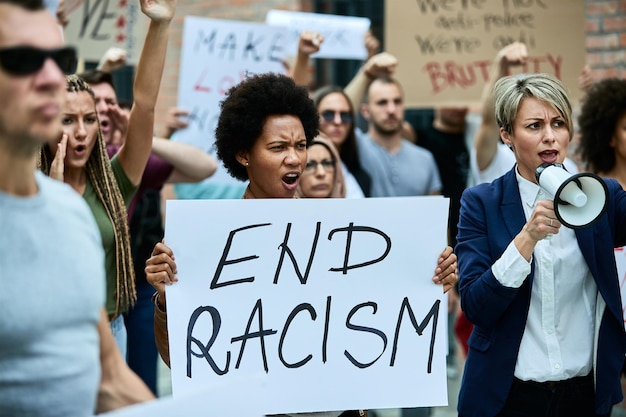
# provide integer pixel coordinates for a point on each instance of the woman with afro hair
(602, 123)
(266, 124)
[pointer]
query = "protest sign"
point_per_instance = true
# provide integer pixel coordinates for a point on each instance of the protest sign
(446, 47)
(95, 26)
(216, 55)
(344, 36)
(330, 301)
(200, 403)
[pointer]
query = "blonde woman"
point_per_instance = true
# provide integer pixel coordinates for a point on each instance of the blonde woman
(80, 160)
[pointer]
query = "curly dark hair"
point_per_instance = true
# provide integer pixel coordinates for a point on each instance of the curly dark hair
(602, 108)
(245, 109)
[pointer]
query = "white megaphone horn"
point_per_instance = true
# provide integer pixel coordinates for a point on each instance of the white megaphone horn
(579, 199)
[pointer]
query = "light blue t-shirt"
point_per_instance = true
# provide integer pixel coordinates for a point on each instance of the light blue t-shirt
(412, 171)
(52, 290)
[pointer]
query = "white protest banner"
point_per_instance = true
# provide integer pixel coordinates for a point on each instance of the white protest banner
(344, 36)
(199, 403)
(95, 26)
(446, 48)
(330, 301)
(216, 55)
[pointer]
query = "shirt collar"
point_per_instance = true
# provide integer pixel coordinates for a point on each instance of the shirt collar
(530, 192)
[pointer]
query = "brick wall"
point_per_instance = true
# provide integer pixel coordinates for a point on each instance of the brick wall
(605, 26)
(244, 10)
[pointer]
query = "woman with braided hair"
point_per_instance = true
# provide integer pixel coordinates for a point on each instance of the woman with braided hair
(80, 160)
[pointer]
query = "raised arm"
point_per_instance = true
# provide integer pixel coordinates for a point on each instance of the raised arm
(488, 133)
(381, 64)
(191, 164)
(308, 44)
(134, 154)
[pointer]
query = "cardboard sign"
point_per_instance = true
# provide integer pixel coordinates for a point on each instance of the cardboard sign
(446, 47)
(344, 36)
(321, 298)
(96, 25)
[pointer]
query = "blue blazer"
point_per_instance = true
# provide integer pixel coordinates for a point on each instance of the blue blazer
(491, 216)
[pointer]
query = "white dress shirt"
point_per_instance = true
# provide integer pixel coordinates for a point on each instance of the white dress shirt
(558, 341)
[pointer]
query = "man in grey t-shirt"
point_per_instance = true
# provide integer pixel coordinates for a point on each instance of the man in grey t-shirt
(398, 167)
(57, 353)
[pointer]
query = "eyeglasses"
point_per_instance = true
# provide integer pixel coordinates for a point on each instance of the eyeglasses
(26, 60)
(329, 116)
(327, 164)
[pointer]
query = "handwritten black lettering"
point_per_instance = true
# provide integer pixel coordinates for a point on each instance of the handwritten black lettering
(205, 41)
(223, 262)
(300, 307)
(525, 37)
(326, 327)
(419, 328)
(508, 20)
(229, 45)
(250, 47)
(285, 249)
(377, 332)
(433, 44)
(204, 349)
(276, 49)
(460, 22)
(525, 4)
(89, 14)
(349, 231)
(259, 334)
(448, 5)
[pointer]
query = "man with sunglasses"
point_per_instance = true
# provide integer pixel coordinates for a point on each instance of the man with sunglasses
(57, 353)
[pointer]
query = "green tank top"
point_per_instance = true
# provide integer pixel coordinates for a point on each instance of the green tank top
(106, 228)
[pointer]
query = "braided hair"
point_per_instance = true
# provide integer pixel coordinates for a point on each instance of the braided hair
(100, 174)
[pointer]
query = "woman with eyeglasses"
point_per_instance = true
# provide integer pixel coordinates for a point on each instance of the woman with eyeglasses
(80, 160)
(337, 123)
(322, 176)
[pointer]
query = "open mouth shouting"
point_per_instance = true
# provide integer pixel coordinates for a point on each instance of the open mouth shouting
(291, 180)
(80, 150)
(549, 156)
(105, 125)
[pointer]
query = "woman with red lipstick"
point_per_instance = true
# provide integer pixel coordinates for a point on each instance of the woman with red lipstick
(548, 335)
(80, 160)
(322, 176)
(265, 126)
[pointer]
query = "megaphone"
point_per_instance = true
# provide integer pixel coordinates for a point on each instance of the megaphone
(579, 199)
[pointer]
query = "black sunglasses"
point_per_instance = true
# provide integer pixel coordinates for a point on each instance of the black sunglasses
(329, 116)
(26, 60)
